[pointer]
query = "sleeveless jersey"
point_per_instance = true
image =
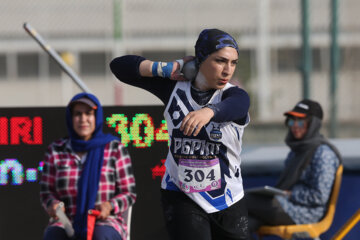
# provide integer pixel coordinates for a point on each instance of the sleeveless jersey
(205, 167)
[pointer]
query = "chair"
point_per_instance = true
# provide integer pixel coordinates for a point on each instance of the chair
(311, 230)
(350, 224)
(92, 215)
(127, 218)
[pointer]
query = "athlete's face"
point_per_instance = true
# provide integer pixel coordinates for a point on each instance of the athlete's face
(217, 69)
(83, 118)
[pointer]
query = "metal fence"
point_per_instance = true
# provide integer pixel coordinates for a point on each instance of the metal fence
(268, 32)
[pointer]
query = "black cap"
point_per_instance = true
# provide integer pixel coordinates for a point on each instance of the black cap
(306, 108)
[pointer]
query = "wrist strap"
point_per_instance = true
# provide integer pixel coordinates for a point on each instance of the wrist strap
(162, 69)
(181, 63)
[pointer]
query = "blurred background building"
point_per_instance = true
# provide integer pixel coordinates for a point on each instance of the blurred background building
(91, 33)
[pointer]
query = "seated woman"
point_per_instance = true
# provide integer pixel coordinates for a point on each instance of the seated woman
(87, 170)
(308, 175)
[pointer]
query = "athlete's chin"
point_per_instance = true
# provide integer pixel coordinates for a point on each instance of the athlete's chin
(220, 86)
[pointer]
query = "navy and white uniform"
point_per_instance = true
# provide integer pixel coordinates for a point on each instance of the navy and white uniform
(205, 167)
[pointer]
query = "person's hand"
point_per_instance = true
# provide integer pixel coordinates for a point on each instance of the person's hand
(176, 73)
(194, 121)
(105, 209)
(51, 210)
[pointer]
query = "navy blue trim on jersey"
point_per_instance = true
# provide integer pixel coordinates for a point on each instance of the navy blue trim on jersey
(237, 132)
(219, 203)
(184, 99)
(174, 107)
(170, 185)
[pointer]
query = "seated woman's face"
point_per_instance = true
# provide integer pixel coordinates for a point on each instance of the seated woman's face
(298, 126)
(83, 118)
(219, 67)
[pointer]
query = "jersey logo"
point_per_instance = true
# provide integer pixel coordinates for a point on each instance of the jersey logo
(215, 132)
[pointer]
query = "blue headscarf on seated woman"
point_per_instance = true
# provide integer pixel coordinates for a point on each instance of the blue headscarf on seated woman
(89, 180)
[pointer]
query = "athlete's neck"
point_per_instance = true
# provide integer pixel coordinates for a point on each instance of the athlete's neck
(200, 82)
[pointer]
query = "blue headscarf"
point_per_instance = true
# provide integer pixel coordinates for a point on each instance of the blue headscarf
(88, 183)
(211, 40)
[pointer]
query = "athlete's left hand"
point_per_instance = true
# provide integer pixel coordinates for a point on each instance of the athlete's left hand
(194, 121)
(105, 210)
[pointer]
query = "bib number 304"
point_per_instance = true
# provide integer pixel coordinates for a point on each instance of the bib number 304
(199, 175)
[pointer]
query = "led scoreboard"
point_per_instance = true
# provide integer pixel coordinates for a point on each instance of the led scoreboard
(25, 134)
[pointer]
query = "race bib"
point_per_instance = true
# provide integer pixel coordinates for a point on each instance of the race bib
(199, 175)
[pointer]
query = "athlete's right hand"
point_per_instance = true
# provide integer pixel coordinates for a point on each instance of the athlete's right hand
(176, 73)
(195, 120)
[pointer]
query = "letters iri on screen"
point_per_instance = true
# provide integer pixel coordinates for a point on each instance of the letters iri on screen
(25, 134)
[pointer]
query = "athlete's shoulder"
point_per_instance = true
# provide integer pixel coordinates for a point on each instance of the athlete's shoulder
(232, 90)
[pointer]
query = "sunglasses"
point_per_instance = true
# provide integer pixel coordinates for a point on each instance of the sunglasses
(300, 122)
